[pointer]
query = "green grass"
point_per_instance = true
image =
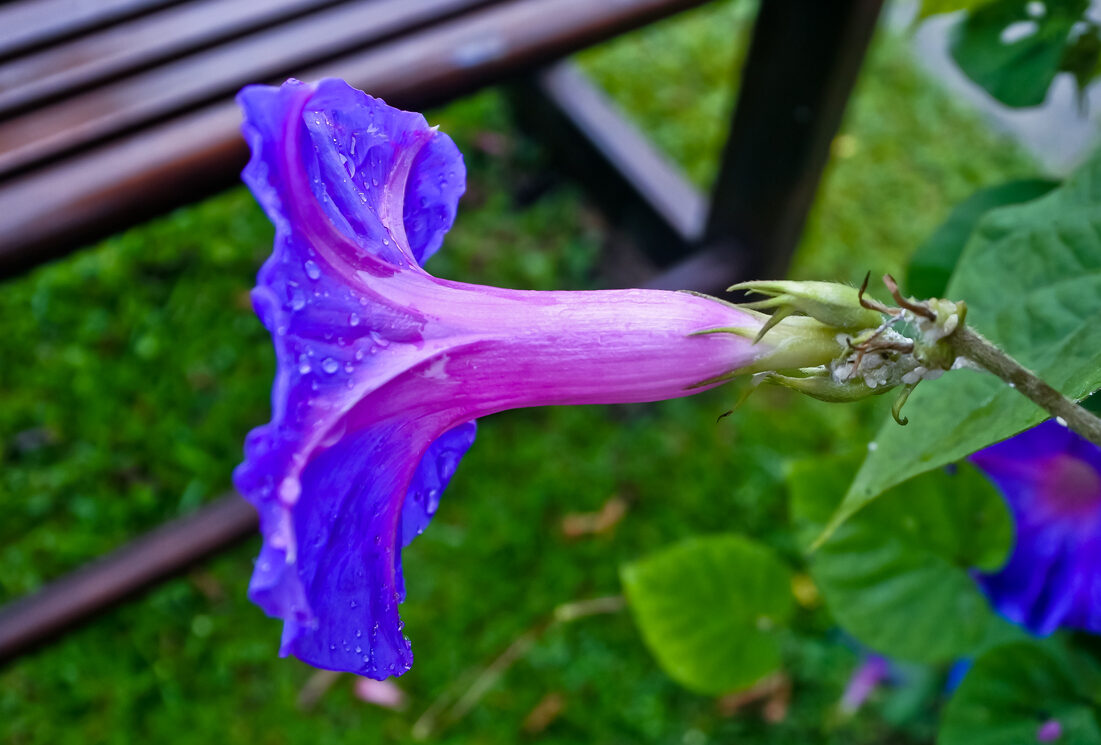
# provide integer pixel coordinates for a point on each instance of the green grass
(130, 372)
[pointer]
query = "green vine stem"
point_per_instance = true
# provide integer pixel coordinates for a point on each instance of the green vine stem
(970, 344)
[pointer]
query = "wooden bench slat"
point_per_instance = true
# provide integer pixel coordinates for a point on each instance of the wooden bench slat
(214, 73)
(28, 23)
(47, 211)
(70, 66)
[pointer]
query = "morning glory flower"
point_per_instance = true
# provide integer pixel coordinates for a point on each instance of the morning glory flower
(872, 672)
(382, 368)
(1051, 479)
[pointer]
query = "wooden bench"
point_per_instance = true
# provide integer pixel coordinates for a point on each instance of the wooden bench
(115, 111)
(112, 116)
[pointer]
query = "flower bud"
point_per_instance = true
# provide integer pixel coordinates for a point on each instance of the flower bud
(834, 304)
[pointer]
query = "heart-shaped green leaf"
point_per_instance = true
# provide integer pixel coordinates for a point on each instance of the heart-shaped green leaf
(897, 575)
(708, 607)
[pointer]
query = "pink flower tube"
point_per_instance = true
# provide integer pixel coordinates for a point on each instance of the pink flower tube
(382, 368)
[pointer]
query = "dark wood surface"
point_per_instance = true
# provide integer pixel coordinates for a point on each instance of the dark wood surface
(88, 165)
(802, 64)
(83, 118)
(68, 67)
(30, 23)
(145, 561)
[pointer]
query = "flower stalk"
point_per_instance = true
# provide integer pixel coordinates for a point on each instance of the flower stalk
(970, 344)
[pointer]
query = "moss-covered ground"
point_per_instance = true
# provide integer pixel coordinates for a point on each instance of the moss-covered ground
(130, 372)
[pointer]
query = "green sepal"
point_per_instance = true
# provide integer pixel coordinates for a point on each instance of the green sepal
(834, 304)
(820, 384)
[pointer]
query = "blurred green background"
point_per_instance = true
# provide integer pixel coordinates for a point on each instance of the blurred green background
(130, 372)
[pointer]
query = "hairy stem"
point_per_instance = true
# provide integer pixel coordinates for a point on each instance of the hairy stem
(967, 342)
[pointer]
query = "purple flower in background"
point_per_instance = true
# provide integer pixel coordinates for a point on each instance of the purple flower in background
(382, 369)
(1049, 731)
(872, 672)
(1051, 479)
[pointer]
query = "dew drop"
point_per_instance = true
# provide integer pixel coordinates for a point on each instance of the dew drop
(353, 319)
(313, 271)
(359, 649)
(349, 367)
(352, 604)
(349, 164)
(303, 365)
(330, 365)
(298, 300)
(447, 463)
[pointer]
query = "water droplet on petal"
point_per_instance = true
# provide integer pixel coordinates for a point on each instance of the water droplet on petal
(313, 271)
(330, 365)
(349, 164)
(353, 319)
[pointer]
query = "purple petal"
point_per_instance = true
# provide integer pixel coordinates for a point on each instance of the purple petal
(1051, 479)
(347, 558)
(328, 337)
(432, 477)
(386, 180)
